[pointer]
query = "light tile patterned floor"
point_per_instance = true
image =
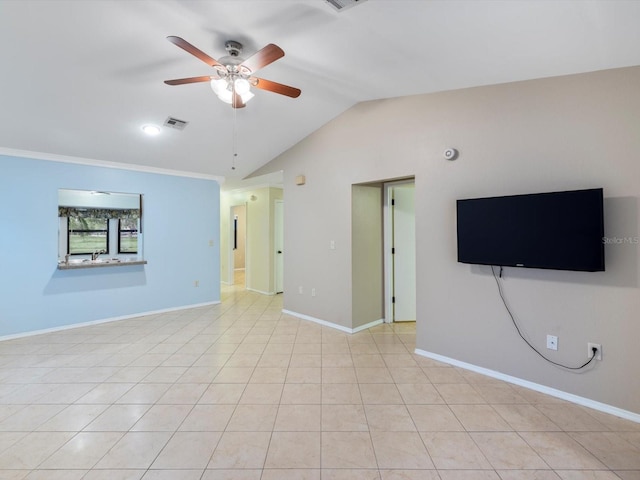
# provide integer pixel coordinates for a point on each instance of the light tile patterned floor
(240, 391)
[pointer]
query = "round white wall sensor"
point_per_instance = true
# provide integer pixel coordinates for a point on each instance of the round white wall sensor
(450, 154)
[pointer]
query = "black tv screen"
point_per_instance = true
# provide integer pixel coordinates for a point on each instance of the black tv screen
(558, 230)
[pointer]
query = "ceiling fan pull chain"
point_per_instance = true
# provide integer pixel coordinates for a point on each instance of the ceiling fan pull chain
(234, 143)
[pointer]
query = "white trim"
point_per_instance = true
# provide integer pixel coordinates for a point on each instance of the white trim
(324, 323)
(104, 320)
(317, 320)
(252, 187)
(278, 205)
(259, 291)
(52, 157)
(367, 325)
(570, 397)
(387, 258)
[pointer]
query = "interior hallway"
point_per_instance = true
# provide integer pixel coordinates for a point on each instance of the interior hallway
(240, 391)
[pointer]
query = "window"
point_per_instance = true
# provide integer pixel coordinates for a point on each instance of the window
(87, 235)
(128, 235)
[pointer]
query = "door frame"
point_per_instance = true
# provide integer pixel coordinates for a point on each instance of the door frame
(277, 203)
(388, 243)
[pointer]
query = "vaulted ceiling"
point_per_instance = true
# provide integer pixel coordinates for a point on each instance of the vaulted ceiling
(80, 78)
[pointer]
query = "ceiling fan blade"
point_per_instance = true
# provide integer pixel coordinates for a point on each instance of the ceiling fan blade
(264, 57)
(237, 102)
(196, 52)
(276, 87)
(183, 81)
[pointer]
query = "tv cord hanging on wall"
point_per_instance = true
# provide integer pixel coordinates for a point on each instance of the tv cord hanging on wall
(515, 324)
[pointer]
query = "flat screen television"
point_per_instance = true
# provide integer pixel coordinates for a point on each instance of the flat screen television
(557, 230)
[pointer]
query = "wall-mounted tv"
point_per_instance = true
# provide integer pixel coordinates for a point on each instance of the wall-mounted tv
(558, 230)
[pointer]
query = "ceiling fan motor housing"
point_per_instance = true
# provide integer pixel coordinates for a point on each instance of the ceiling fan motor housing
(233, 60)
(234, 48)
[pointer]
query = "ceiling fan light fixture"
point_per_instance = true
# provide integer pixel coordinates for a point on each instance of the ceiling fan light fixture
(225, 95)
(246, 96)
(218, 85)
(224, 88)
(242, 86)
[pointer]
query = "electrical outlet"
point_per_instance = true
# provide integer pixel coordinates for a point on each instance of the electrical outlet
(552, 342)
(313, 292)
(300, 290)
(196, 283)
(590, 347)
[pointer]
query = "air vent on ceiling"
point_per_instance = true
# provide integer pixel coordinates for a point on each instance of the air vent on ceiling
(175, 123)
(341, 5)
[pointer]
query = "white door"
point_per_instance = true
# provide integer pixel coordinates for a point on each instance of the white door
(404, 253)
(278, 226)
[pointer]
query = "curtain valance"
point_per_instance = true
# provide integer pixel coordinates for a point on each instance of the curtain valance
(77, 212)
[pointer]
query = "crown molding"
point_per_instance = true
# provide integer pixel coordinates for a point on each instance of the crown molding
(52, 157)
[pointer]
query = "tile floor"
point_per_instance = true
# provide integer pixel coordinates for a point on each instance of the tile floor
(240, 391)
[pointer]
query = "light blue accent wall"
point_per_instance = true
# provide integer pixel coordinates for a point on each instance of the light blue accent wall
(181, 216)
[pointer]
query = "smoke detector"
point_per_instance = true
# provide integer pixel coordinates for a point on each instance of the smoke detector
(341, 5)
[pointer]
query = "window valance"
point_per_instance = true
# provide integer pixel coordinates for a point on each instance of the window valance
(126, 213)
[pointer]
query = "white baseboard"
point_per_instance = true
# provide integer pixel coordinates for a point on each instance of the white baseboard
(570, 397)
(333, 325)
(259, 291)
(103, 320)
(367, 325)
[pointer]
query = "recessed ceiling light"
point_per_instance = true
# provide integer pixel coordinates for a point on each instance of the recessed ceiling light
(151, 130)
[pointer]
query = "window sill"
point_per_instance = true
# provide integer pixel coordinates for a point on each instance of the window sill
(99, 264)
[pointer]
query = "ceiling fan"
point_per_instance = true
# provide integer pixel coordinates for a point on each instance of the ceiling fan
(233, 77)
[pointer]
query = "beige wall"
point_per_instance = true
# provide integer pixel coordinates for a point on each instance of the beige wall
(260, 204)
(225, 218)
(561, 133)
(367, 282)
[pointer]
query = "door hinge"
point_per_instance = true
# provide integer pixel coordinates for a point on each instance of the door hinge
(393, 201)
(393, 250)
(393, 299)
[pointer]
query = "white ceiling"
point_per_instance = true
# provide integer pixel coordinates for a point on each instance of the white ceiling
(80, 78)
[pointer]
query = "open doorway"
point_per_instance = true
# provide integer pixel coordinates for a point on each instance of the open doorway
(238, 229)
(383, 252)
